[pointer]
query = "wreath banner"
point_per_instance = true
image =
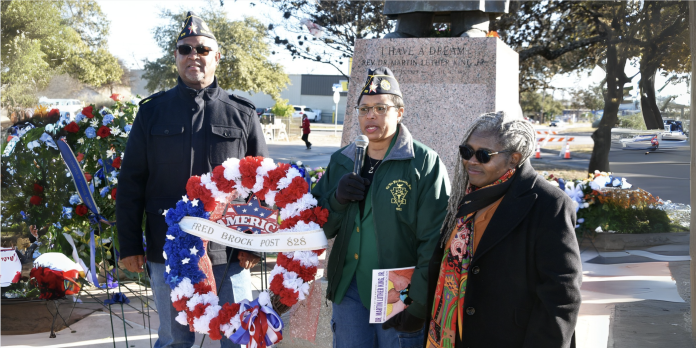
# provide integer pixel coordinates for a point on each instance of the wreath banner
(206, 213)
(272, 242)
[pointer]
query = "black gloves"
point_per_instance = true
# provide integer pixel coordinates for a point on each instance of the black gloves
(404, 322)
(351, 187)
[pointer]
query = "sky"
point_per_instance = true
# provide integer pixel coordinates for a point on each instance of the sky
(133, 21)
(132, 24)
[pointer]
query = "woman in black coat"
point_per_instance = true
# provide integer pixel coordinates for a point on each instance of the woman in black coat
(507, 270)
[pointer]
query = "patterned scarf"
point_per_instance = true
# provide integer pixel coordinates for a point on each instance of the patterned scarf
(448, 306)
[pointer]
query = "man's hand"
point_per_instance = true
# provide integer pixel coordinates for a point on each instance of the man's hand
(247, 260)
(404, 322)
(134, 263)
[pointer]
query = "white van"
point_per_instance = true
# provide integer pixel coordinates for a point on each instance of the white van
(73, 106)
(301, 110)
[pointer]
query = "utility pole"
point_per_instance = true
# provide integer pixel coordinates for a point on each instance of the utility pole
(692, 187)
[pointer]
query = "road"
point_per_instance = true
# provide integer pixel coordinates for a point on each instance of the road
(664, 173)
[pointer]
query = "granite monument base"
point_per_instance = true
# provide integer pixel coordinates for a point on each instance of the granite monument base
(446, 83)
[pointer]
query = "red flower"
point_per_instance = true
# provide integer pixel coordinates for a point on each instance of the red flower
(219, 179)
(103, 131)
(194, 189)
(307, 273)
(53, 113)
(88, 176)
(88, 111)
(81, 210)
(180, 305)
(113, 193)
(288, 297)
(72, 127)
(116, 163)
(297, 188)
(38, 188)
(35, 200)
(277, 284)
(247, 167)
(117, 97)
(80, 156)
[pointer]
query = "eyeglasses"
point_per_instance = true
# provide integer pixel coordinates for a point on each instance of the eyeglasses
(377, 109)
(187, 49)
(483, 156)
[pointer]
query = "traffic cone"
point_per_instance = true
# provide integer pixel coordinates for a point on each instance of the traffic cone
(538, 151)
(567, 152)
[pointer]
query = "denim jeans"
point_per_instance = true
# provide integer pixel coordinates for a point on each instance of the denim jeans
(174, 335)
(351, 326)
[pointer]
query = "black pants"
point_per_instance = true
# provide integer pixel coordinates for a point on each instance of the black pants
(305, 138)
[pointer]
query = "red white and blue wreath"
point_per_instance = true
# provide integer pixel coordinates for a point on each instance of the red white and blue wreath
(255, 323)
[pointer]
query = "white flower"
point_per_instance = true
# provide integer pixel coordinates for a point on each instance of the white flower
(123, 135)
(98, 137)
(299, 163)
(94, 123)
(115, 130)
(545, 173)
(97, 181)
(85, 120)
(114, 181)
(81, 141)
(314, 179)
(110, 153)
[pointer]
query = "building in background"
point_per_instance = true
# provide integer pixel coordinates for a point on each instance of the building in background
(313, 91)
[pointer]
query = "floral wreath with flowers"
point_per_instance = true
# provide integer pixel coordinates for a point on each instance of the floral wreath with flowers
(255, 323)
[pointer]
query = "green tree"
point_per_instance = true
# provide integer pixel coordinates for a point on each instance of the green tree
(41, 39)
(282, 108)
(243, 66)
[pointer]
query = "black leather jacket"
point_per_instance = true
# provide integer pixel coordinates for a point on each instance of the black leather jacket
(170, 130)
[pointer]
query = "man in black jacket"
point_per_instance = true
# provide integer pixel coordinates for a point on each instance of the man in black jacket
(185, 131)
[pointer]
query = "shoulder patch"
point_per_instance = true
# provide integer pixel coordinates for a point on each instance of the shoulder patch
(158, 94)
(243, 101)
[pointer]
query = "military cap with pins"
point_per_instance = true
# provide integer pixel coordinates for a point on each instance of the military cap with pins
(195, 26)
(381, 81)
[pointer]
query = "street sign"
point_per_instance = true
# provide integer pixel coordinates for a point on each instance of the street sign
(336, 96)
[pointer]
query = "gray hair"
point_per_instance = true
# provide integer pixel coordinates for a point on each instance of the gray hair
(511, 133)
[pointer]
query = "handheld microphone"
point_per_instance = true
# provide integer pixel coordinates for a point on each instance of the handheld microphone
(361, 143)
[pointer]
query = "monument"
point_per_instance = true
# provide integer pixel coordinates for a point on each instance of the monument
(446, 83)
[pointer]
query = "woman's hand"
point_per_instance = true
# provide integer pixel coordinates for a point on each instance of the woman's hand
(351, 187)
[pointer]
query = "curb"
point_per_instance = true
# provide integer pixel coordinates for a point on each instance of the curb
(620, 241)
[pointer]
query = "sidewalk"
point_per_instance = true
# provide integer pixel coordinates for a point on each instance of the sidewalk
(635, 298)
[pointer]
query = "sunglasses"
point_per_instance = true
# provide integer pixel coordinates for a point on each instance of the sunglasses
(483, 156)
(187, 49)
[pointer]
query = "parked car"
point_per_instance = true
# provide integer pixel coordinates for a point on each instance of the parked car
(301, 110)
(73, 106)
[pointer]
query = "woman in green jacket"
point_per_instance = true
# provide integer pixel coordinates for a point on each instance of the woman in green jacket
(387, 216)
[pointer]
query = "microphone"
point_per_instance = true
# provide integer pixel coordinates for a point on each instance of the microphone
(360, 146)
